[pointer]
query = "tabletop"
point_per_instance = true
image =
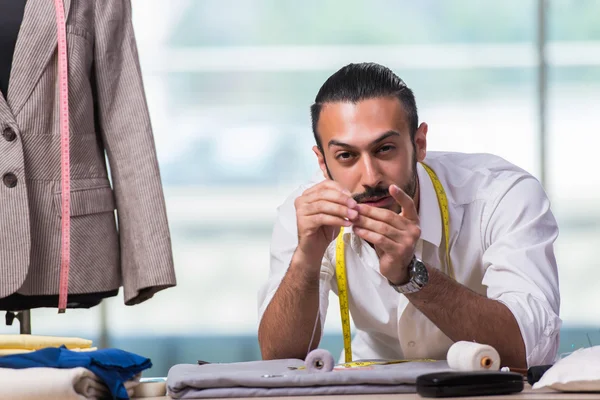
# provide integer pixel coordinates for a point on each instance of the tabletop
(527, 394)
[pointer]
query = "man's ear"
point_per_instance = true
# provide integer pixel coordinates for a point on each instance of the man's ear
(322, 163)
(421, 141)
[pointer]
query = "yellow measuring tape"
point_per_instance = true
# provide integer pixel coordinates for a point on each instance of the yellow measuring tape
(443, 203)
(340, 273)
(368, 363)
(340, 264)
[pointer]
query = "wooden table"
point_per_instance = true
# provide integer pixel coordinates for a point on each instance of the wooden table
(527, 394)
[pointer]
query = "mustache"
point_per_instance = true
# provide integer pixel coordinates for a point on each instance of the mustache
(370, 193)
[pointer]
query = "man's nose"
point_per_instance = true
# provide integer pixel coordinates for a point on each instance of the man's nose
(371, 175)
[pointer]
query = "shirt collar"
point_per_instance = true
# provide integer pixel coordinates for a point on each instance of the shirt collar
(429, 213)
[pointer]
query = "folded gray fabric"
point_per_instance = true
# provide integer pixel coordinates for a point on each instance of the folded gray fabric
(282, 378)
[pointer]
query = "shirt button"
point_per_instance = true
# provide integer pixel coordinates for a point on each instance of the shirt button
(10, 180)
(9, 134)
(411, 344)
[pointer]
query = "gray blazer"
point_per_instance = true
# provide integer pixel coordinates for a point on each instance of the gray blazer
(108, 113)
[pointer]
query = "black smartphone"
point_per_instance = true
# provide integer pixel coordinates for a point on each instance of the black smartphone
(461, 384)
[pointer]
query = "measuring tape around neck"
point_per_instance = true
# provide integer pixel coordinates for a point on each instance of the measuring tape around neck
(63, 87)
(340, 261)
(445, 213)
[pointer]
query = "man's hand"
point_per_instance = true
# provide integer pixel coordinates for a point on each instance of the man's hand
(320, 212)
(394, 236)
(287, 328)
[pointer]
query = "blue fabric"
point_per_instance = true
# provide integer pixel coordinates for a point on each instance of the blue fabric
(113, 366)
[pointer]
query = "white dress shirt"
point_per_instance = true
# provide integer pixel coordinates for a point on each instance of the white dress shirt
(501, 245)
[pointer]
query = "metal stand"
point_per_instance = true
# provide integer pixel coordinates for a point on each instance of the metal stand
(24, 318)
(542, 73)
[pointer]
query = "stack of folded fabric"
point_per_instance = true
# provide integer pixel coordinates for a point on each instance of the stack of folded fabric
(54, 384)
(51, 372)
(289, 377)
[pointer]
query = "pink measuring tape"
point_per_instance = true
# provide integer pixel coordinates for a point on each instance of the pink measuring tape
(63, 84)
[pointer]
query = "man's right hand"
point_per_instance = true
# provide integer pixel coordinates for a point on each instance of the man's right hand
(288, 323)
(320, 212)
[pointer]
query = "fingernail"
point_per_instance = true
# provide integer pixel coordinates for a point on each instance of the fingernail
(352, 214)
(351, 203)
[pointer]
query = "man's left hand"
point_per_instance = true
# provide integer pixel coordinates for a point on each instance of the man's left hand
(393, 235)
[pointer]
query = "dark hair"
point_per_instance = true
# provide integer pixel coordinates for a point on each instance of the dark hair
(357, 82)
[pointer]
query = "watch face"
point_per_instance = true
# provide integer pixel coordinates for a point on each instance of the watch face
(420, 272)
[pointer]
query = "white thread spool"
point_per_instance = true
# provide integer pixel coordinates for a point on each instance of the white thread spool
(319, 360)
(470, 356)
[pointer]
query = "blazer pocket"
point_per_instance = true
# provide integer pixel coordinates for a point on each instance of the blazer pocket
(79, 31)
(87, 201)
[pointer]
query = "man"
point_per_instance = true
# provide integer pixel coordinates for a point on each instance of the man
(407, 300)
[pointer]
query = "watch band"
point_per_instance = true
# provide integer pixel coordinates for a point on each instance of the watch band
(412, 285)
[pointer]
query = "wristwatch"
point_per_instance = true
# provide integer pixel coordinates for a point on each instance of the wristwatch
(418, 278)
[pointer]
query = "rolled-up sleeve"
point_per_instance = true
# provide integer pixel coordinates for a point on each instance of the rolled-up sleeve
(519, 232)
(284, 240)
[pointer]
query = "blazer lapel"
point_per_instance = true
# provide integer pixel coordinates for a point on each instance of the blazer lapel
(36, 43)
(5, 112)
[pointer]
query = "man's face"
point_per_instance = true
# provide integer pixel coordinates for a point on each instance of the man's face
(367, 148)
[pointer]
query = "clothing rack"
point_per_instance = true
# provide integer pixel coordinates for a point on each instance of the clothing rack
(24, 318)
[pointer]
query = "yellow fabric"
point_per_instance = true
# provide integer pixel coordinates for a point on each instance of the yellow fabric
(35, 342)
(9, 352)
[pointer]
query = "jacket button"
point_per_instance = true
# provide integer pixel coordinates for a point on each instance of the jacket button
(9, 134)
(10, 180)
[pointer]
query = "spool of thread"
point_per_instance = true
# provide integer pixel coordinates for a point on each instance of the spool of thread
(319, 360)
(470, 356)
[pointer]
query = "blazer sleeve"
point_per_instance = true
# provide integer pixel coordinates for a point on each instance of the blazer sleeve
(123, 121)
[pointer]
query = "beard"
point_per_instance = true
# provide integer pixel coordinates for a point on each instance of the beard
(410, 188)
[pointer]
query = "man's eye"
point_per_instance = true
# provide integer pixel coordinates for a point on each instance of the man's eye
(344, 156)
(386, 148)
